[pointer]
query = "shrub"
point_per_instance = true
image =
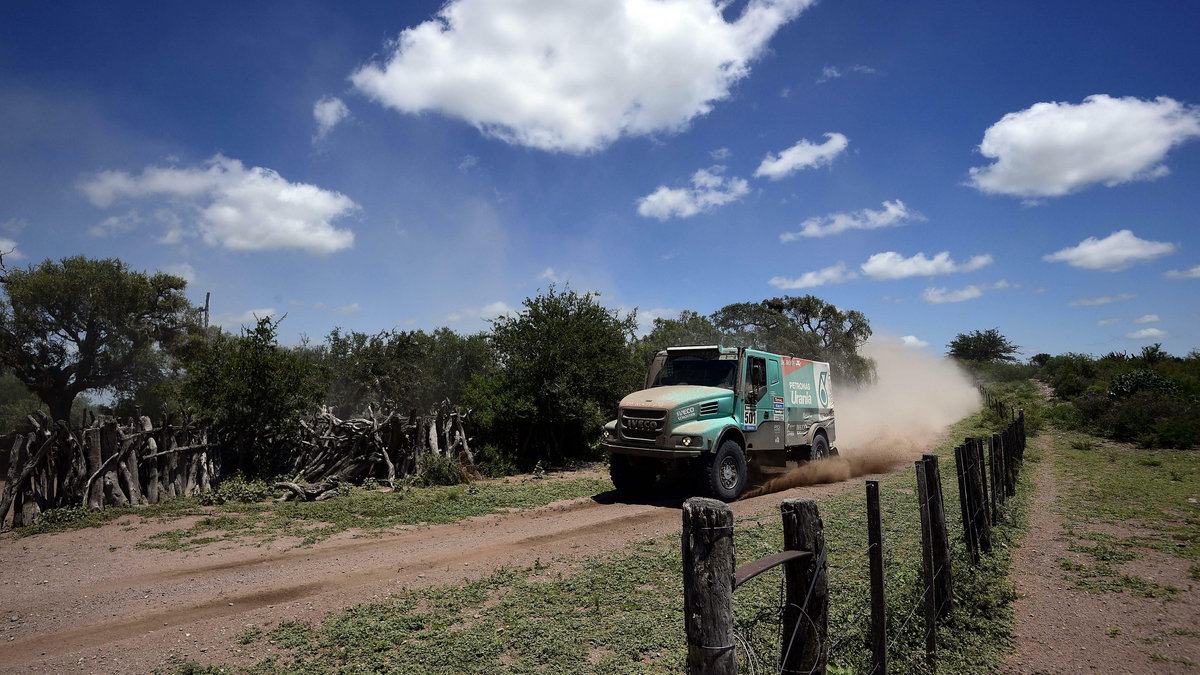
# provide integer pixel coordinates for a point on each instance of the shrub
(439, 470)
(237, 489)
(495, 463)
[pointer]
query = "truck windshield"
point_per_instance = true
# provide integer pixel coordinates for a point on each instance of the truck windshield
(705, 371)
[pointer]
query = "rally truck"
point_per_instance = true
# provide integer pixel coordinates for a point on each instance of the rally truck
(720, 415)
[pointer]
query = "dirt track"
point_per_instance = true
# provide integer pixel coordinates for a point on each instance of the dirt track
(71, 603)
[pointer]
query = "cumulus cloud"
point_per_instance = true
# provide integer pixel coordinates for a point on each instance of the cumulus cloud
(892, 265)
(1052, 149)
(487, 312)
(182, 270)
(914, 342)
(834, 274)
(1148, 334)
(8, 248)
(1101, 300)
(1113, 253)
(246, 318)
(803, 155)
(1147, 318)
(833, 72)
(348, 310)
(709, 190)
(721, 154)
(329, 112)
(937, 296)
(1109, 322)
(893, 213)
(551, 275)
(230, 205)
(573, 75)
(1192, 273)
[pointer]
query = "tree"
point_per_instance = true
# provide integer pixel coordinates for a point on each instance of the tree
(81, 324)
(689, 328)
(564, 364)
(254, 391)
(983, 346)
(807, 326)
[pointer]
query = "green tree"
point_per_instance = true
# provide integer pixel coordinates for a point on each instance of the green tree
(983, 346)
(689, 328)
(255, 391)
(81, 324)
(806, 326)
(564, 363)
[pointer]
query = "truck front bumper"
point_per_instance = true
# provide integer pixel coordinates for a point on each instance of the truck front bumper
(649, 451)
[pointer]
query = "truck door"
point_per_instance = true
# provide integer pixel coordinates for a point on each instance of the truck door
(764, 421)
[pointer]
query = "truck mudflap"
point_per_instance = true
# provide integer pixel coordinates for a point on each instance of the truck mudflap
(645, 451)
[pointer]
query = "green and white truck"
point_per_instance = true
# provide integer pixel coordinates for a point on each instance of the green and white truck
(721, 414)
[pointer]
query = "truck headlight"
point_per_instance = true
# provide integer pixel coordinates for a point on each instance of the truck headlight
(689, 441)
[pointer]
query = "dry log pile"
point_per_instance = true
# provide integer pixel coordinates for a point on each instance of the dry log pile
(103, 464)
(106, 463)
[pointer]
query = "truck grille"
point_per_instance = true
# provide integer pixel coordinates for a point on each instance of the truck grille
(709, 408)
(642, 425)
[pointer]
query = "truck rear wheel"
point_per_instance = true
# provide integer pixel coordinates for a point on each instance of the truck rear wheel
(723, 473)
(629, 476)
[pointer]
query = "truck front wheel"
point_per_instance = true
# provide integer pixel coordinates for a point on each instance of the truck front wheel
(630, 477)
(723, 473)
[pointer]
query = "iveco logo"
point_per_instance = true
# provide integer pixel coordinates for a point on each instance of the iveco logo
(643, 425)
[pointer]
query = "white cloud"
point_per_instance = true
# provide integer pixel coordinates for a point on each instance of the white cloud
(1192, 273)
(709, 190)
(1147, 318)
(893, 213)
(803, 155)
(834, 274)
(1101, 300)
(329, 111)
(246, 318)
(1148, 334)
(348, 310)
(833, 72)
(183, 270)
(721, 154)
(937, 296)
(469, 162)
(227, 204)
(1052, 149)
(487, 312)
(549, 274)
(1108, 322)
(1113, 253)
(892, 265)
(914, 342)
(13, 225)
(8, 248)
(573, 75)
(646, 317)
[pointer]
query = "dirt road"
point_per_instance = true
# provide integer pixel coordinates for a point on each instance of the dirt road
(89, 599)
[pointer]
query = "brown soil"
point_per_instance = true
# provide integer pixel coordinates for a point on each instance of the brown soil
(1064, 629)
(70, 603)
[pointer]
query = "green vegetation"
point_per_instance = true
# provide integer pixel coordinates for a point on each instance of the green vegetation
(234, 511)
(622, 613)
(983, 346)
(1147, 495)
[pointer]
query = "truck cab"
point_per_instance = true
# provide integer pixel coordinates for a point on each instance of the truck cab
(721, 414)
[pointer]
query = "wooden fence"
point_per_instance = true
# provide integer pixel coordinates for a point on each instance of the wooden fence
(987, 472)
(106, 463)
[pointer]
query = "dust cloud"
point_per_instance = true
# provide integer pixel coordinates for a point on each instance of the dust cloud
(891, 421)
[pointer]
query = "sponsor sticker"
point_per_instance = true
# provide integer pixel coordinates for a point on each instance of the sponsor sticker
(779, 406)
(727, 357)
(749, 427)
(684, 413)
(778, 400)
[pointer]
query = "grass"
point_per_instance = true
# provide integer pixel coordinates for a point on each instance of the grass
(623, 613)
(309, 522)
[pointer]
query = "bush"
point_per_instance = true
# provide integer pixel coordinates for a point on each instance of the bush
(495, 463)
(439, 470)
(236, 489)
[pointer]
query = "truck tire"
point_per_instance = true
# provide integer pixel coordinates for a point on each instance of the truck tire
(723, 473)
(630, 477)
(820, 447)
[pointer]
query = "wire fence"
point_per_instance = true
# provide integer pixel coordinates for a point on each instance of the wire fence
(778, 627)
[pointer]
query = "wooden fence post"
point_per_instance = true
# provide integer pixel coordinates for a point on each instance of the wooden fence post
(708, 586)
(980, 513)
(930, 591)
(805, 644)
(996, 490)
(878, 604)
(941, 538)
(964, 503)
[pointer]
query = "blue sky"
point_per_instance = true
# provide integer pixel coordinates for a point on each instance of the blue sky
(410, 165)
